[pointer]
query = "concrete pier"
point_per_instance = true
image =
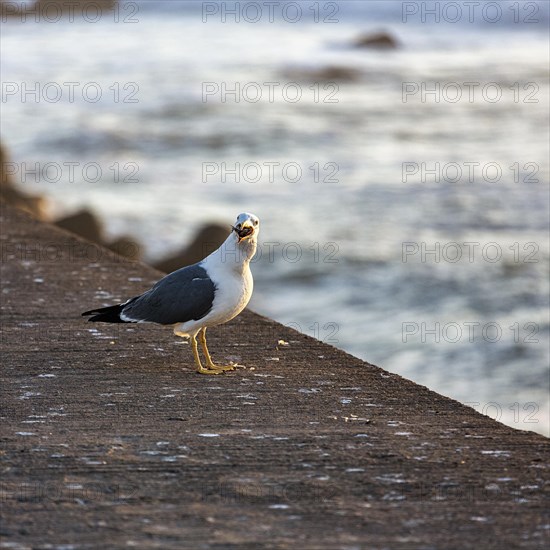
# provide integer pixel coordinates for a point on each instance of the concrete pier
(111, 440)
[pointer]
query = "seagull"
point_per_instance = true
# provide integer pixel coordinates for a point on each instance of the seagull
(194, 298)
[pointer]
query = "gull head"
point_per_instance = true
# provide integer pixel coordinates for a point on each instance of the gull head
(246, 227)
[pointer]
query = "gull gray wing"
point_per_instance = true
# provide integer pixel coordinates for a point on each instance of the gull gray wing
(184, 295)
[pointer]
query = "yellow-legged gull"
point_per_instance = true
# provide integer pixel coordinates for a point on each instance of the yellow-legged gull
(193, 298)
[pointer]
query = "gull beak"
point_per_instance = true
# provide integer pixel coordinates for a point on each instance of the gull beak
(244, 229)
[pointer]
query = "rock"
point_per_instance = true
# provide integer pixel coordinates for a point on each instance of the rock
(10, 9)
(127, 247)
(41, 10)
(380, 40)
(331, 73)
(208, 239)
(75, 4)
(83, 223)
(87, 225)
(34, 205)
(7, 177)
(9, 193)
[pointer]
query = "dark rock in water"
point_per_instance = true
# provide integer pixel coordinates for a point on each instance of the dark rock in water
(83, 223)
(34, 205)
(381, 40)
(11, 9)
(87, 225)
(208, 239)
(127, 247)
(48, 10)
(75, 4)
(9, 193)
(331, 73)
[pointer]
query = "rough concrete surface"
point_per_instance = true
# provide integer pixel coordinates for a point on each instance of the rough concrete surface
(111, 440)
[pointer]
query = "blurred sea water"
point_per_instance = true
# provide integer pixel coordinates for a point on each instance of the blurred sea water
(445, 282)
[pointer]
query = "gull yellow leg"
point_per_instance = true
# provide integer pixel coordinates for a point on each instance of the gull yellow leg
(209, 363)
(200, 368)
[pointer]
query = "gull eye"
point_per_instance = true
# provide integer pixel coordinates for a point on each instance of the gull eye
(255, 222)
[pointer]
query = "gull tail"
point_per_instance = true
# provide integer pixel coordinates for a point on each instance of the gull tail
(109, 314)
